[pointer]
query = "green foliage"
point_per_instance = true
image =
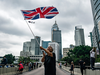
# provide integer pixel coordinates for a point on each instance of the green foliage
(10, 58)
(98, 58)
(79, 52)
(25, 60)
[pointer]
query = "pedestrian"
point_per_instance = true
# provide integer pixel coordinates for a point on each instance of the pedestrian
(72, 68)
(34, 65)
(5, 60)
(81, 66)
(37, 65)
(29, 66)
(49, 61)
(20, 69)
(65, 63)
(84, 66)
(60, 65)
(92, 57)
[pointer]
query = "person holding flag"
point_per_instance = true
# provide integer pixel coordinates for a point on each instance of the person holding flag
(49, 61)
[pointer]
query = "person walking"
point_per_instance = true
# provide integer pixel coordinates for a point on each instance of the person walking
(72, 68)
(84, 66)
(20, 69)
(5, 60)
(60, 65)
(65, 63)
(81, 66)
(92, 58)
(29, 66)
(49, 61)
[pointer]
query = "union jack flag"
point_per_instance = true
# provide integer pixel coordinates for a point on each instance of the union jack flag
(41, 12)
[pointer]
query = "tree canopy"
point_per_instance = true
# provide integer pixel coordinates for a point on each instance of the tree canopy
(25, 60)
(79, 52)
(10, 58)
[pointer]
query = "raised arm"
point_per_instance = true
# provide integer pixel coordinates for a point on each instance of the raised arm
(91, 51)
(47, 51)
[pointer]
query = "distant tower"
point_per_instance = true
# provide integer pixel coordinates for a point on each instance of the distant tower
(56, 37)
(79, 36)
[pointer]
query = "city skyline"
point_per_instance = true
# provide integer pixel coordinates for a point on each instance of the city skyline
(14, 30)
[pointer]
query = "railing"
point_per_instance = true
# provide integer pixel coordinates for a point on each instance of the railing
(13, 70)
(85, 72)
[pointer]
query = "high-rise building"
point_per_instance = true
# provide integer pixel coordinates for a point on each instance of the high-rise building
(56, 37)
(45, 44)
(31, 48)
(91, 35)
(79, 36)
(55, 47)
(94, 40)
(65, 51)
(95, 4)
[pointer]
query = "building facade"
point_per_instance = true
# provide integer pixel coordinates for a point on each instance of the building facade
(79, 36)
(32, 47)
(55, 47)
(45, 44)
(65, 51)
(56, 37)
(91, 35)
(95, 4)
(93, 38)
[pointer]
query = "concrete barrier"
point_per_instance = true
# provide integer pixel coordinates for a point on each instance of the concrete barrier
(78, 72)
(12, 70)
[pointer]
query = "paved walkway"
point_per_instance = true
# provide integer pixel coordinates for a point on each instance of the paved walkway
(40, 71)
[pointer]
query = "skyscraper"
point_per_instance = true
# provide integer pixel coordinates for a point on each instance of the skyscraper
(79, 36)
(56, 37)
(32, 47)
(95, 4)
(45, 44)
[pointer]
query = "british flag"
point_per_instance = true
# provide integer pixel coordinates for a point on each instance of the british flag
(41, 12)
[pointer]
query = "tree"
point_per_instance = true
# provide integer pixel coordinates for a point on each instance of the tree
(10, 58)
(79, 52)
(25, 60)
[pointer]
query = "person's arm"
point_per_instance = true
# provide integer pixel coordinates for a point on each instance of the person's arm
(43, 58)
(48, 52)
(91, 51)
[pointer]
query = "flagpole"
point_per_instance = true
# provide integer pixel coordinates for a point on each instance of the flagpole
(32, 33)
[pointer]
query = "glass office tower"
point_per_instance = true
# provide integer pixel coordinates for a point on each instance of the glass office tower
(56, 37)
(95, 4)
(79, 36)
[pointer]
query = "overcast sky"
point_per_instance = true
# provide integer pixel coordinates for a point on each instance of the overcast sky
(14, 30)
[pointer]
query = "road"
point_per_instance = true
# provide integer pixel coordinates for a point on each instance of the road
(40, 71)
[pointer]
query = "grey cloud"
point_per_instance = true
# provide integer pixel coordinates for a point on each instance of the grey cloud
(7, 26)
(7, 45)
